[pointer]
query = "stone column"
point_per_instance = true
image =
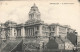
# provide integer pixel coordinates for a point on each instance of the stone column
(57, 31)
(23, 32)
(12, 32)
(30, 32)
(3, 34)
(27, 33)
(66, 31)
(40, 35)
(40, 30)
(34, 31)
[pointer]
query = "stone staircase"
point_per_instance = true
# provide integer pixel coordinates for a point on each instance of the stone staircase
(10, 45)
(3, 44)
(30, 47)
(68, 43)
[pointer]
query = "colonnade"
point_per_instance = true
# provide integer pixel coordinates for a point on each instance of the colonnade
(30, 31)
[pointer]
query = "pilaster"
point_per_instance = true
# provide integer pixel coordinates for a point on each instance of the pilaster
(3, 34)
(34, 31)
(40, 30)
(23, 32)
(56, 31)
(12, 32)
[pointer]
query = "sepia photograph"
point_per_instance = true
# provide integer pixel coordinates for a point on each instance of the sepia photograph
(39, 25)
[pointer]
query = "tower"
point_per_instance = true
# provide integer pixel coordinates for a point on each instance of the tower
(34, 13)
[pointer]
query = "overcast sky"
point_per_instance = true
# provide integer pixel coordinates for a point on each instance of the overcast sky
(51, 12)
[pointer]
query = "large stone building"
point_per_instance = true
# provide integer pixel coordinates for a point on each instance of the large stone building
(36, 30)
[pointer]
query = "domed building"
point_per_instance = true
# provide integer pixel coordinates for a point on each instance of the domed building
(34, 33)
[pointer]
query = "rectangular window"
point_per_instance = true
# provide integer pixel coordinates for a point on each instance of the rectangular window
(53, 29)
(37, 27)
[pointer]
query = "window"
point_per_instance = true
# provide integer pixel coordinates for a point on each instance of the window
(53, 29)
(34, 10)
(37, 27)
(14, 30)
(14, 34)
(43, 28)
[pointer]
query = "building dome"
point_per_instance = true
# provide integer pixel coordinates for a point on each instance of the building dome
(34, 6)
(34, 13)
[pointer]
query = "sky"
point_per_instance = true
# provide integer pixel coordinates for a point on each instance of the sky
(59, 11)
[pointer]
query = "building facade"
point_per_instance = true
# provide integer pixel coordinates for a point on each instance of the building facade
(35, 28)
